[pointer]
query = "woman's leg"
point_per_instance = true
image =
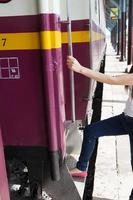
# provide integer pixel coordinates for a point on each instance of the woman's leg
(108, 127)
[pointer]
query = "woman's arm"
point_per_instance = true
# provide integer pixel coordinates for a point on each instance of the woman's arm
(126, 79)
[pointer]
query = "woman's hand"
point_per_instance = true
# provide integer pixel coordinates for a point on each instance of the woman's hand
(73, 64)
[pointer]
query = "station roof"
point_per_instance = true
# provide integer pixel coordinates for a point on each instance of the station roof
(111, 11)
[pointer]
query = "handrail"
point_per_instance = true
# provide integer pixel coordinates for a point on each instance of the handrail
(70, 52)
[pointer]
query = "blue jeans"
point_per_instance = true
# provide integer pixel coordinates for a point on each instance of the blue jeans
(118, 125)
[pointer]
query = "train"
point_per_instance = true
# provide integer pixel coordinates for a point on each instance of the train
(41, 100)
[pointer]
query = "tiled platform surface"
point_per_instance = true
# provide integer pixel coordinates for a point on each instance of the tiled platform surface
(114, 178)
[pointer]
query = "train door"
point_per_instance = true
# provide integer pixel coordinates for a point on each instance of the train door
(88, 42)
(75, 29)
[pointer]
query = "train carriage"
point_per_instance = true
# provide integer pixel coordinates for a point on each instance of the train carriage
(38, 95)
(31, 84)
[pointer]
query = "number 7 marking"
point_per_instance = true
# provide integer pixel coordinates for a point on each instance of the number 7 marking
(4, 41)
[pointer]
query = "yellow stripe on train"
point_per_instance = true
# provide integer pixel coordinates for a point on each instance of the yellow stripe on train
(43, 40)
(77, 37)
(19, 41)
(50, 39)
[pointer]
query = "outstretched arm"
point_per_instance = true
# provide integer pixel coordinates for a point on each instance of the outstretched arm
(126, 79)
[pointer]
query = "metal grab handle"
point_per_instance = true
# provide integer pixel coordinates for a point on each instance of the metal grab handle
(70, 52)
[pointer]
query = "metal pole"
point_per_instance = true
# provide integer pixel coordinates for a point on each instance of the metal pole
(119, 28)
(123, 30)
(125, 18)
(130, 26)
(132, 32)
(70, 52)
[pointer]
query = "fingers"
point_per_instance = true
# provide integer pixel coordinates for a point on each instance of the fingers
(70, 60)
(73, 64)
(70, 57)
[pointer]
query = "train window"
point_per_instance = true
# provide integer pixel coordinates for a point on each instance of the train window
(4, 1)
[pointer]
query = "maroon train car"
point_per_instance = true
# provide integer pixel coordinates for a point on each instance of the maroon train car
(32, 111)
(37, 96)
